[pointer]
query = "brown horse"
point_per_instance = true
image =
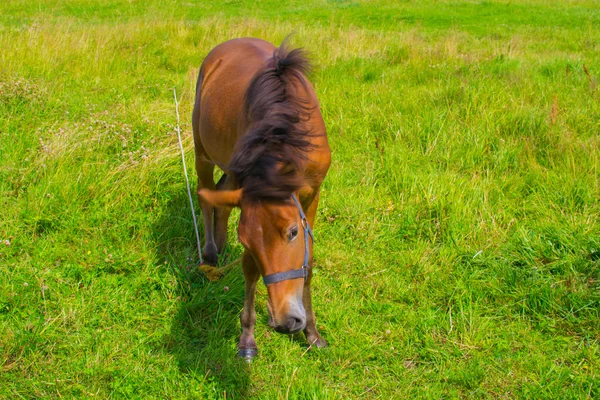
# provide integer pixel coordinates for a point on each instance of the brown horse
(257, 118)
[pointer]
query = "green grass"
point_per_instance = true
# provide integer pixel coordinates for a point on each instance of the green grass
(457, 241)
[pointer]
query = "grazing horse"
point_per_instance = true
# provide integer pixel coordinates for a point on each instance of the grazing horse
(257, 118)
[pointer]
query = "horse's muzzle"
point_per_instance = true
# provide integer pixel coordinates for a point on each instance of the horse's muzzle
(290, 322)
(293, 324)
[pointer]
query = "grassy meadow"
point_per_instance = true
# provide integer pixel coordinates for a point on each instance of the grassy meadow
(457, 241)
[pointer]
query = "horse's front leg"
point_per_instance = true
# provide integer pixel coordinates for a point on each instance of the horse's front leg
(247, 345)
(312, 334)
(313, 337)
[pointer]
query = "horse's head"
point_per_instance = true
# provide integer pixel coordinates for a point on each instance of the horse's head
(272, 233)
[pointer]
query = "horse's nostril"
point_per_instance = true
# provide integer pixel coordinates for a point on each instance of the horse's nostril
(294, 324)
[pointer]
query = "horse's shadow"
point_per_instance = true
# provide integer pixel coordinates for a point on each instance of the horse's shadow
(205, 326)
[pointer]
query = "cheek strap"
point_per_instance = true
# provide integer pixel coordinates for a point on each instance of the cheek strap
(295, 273)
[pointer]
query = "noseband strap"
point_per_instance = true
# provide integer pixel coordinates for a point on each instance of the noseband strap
(295, 273)
(286, 275)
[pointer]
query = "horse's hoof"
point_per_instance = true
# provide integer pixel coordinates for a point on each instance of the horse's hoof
(317, 342)
(209, 254)
(247, 354)
(210, 259)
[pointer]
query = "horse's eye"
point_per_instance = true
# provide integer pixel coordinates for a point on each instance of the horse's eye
(293, 233)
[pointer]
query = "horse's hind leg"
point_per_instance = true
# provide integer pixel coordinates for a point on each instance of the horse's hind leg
(205, 181)
(222, 214)
(205, 170)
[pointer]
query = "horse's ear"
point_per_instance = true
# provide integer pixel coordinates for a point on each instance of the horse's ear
(221, 198)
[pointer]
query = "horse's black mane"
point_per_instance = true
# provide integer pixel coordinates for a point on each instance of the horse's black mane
(267, 158)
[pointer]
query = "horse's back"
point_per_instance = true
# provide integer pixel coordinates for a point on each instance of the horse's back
(219, 117)
(225, 75)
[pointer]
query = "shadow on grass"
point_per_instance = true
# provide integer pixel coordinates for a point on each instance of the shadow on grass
(205, 328)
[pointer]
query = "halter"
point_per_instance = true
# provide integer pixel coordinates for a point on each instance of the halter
(295, 273)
